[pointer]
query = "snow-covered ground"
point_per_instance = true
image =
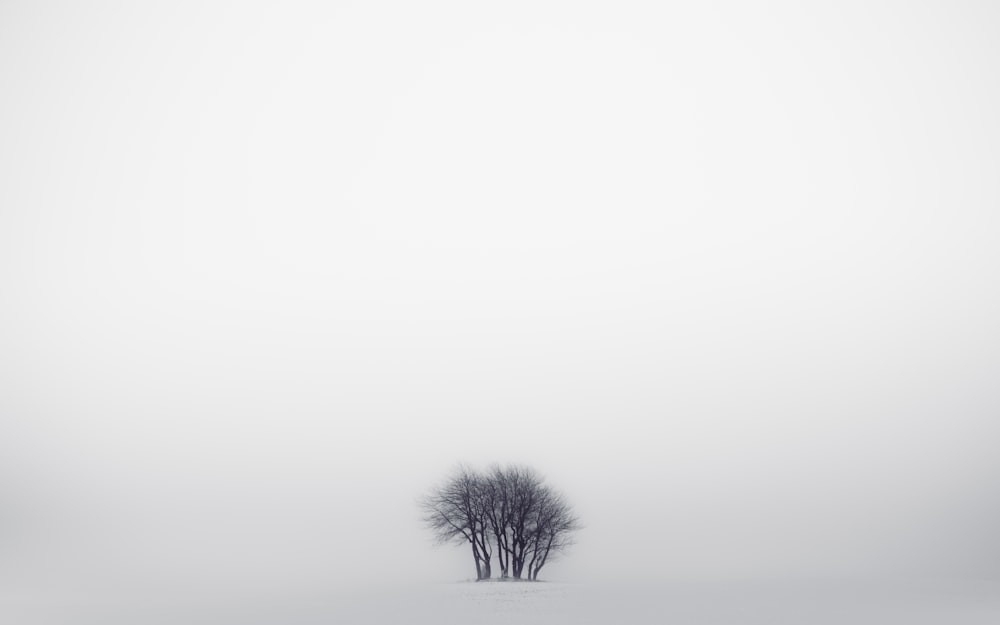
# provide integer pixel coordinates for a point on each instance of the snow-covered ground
(466, 603)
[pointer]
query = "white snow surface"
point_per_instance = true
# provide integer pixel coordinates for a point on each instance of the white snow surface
(751, 603)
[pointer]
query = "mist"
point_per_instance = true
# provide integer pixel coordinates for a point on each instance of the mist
(724, 273)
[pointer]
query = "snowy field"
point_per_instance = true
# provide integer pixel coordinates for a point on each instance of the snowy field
(752, 603)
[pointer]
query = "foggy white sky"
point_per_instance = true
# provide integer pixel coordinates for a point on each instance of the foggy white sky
(725, 273)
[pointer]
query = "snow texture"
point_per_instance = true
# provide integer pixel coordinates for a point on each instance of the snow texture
(750, 603)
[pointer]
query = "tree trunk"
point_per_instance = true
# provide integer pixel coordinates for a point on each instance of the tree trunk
(518, 566)
(475, 556)
(501, 554)
(541, 561)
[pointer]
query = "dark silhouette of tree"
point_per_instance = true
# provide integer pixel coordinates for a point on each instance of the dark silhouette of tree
(497, 509)
(454, 512)
(508, 510)
(523, 488)
(552, 530)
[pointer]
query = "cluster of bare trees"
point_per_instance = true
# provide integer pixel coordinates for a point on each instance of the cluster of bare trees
(506, 511)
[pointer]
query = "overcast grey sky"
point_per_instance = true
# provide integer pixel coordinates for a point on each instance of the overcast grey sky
(726, 272)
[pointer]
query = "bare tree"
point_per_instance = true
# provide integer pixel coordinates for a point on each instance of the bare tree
(522, 487)
(508, 508)
(553, 525)
(497, 497)
(454, 512)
